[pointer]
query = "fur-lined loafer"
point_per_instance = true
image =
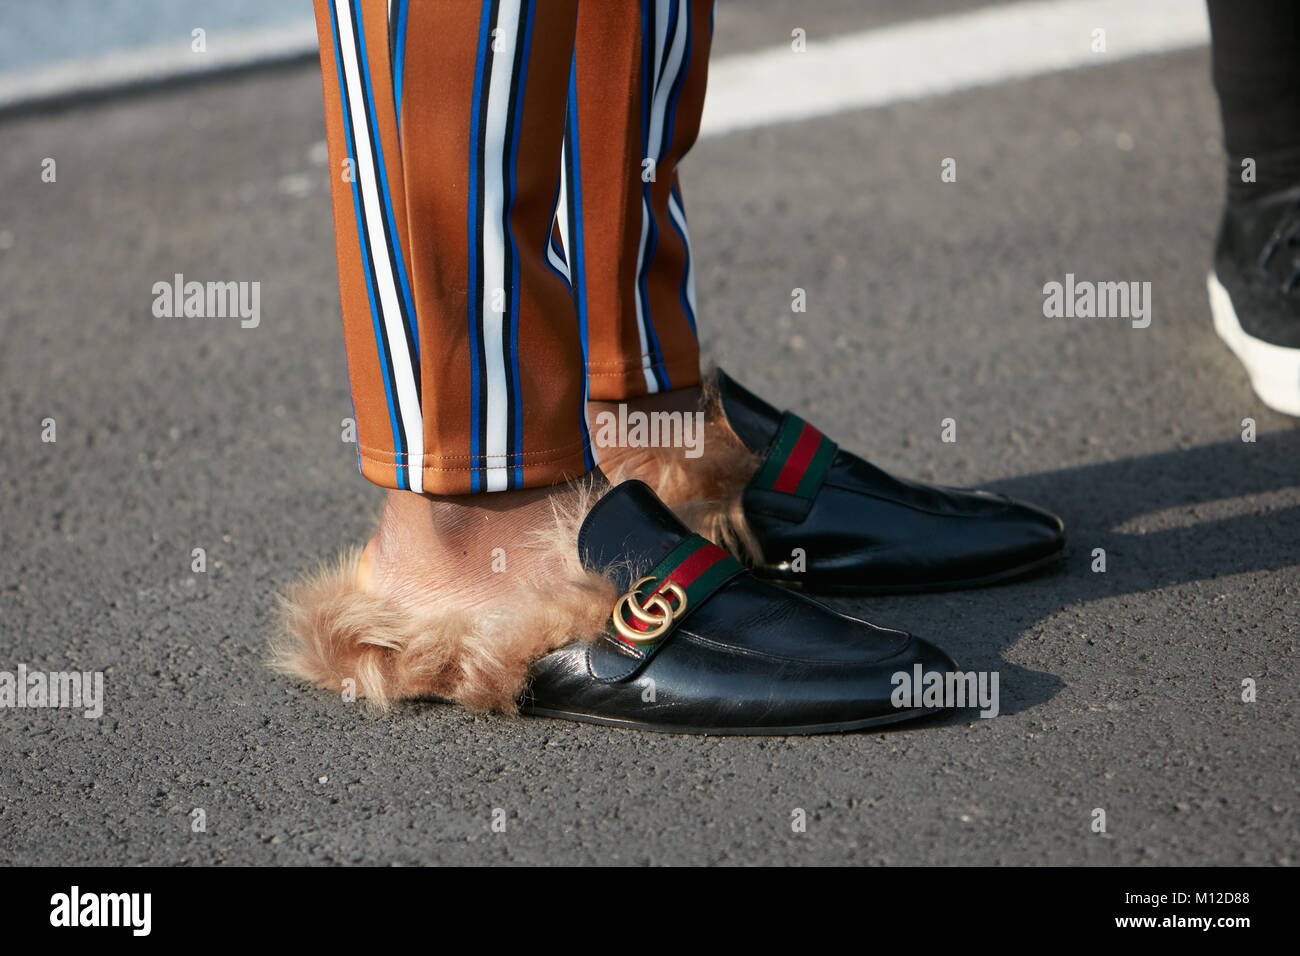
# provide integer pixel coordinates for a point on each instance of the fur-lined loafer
(824, 520)
(696, 644)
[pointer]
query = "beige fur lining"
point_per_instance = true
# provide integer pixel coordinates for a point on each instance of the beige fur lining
(330, 631)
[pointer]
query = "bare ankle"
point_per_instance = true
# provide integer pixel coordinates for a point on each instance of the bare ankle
(677, 400)
(431, 547)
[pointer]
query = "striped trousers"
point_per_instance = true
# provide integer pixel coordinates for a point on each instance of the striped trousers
(510, 231)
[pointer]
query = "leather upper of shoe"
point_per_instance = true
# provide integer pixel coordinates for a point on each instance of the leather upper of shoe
(866, 527)
(1257, 259)
(751, 655)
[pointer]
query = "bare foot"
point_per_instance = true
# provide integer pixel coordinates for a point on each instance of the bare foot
(631, 462)
(467, 551)
(716, 466)
(703, 485)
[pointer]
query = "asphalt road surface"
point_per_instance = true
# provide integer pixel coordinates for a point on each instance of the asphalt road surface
(1120, 690)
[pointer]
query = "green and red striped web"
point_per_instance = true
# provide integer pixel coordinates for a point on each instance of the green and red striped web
(797, 461)
(698, 566)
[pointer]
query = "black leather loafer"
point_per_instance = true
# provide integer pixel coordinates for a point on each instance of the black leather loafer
(831, 523)
(697, 644)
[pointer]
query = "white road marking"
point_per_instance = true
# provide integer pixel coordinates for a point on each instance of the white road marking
(838, 73)
(130, 67)
(909, 61)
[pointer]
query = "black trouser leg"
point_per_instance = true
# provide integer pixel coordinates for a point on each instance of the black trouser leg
(1256, 49)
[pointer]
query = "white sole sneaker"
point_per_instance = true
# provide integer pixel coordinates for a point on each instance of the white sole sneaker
(1274, 371)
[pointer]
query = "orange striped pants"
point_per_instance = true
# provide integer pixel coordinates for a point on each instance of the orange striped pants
(509, 225)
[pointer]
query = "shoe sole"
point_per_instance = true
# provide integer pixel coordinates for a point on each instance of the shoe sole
(796, 731)
(1274, 370)
(880, 590)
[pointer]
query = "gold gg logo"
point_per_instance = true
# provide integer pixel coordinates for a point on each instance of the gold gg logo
(655, 614)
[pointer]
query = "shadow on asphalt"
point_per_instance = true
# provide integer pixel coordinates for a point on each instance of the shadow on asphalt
(1096, 500)
(1120, 491)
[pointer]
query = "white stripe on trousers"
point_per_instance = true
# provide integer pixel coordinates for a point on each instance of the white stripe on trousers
(496, 284)
(679, 216)
(387, 291)
(560, 216)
